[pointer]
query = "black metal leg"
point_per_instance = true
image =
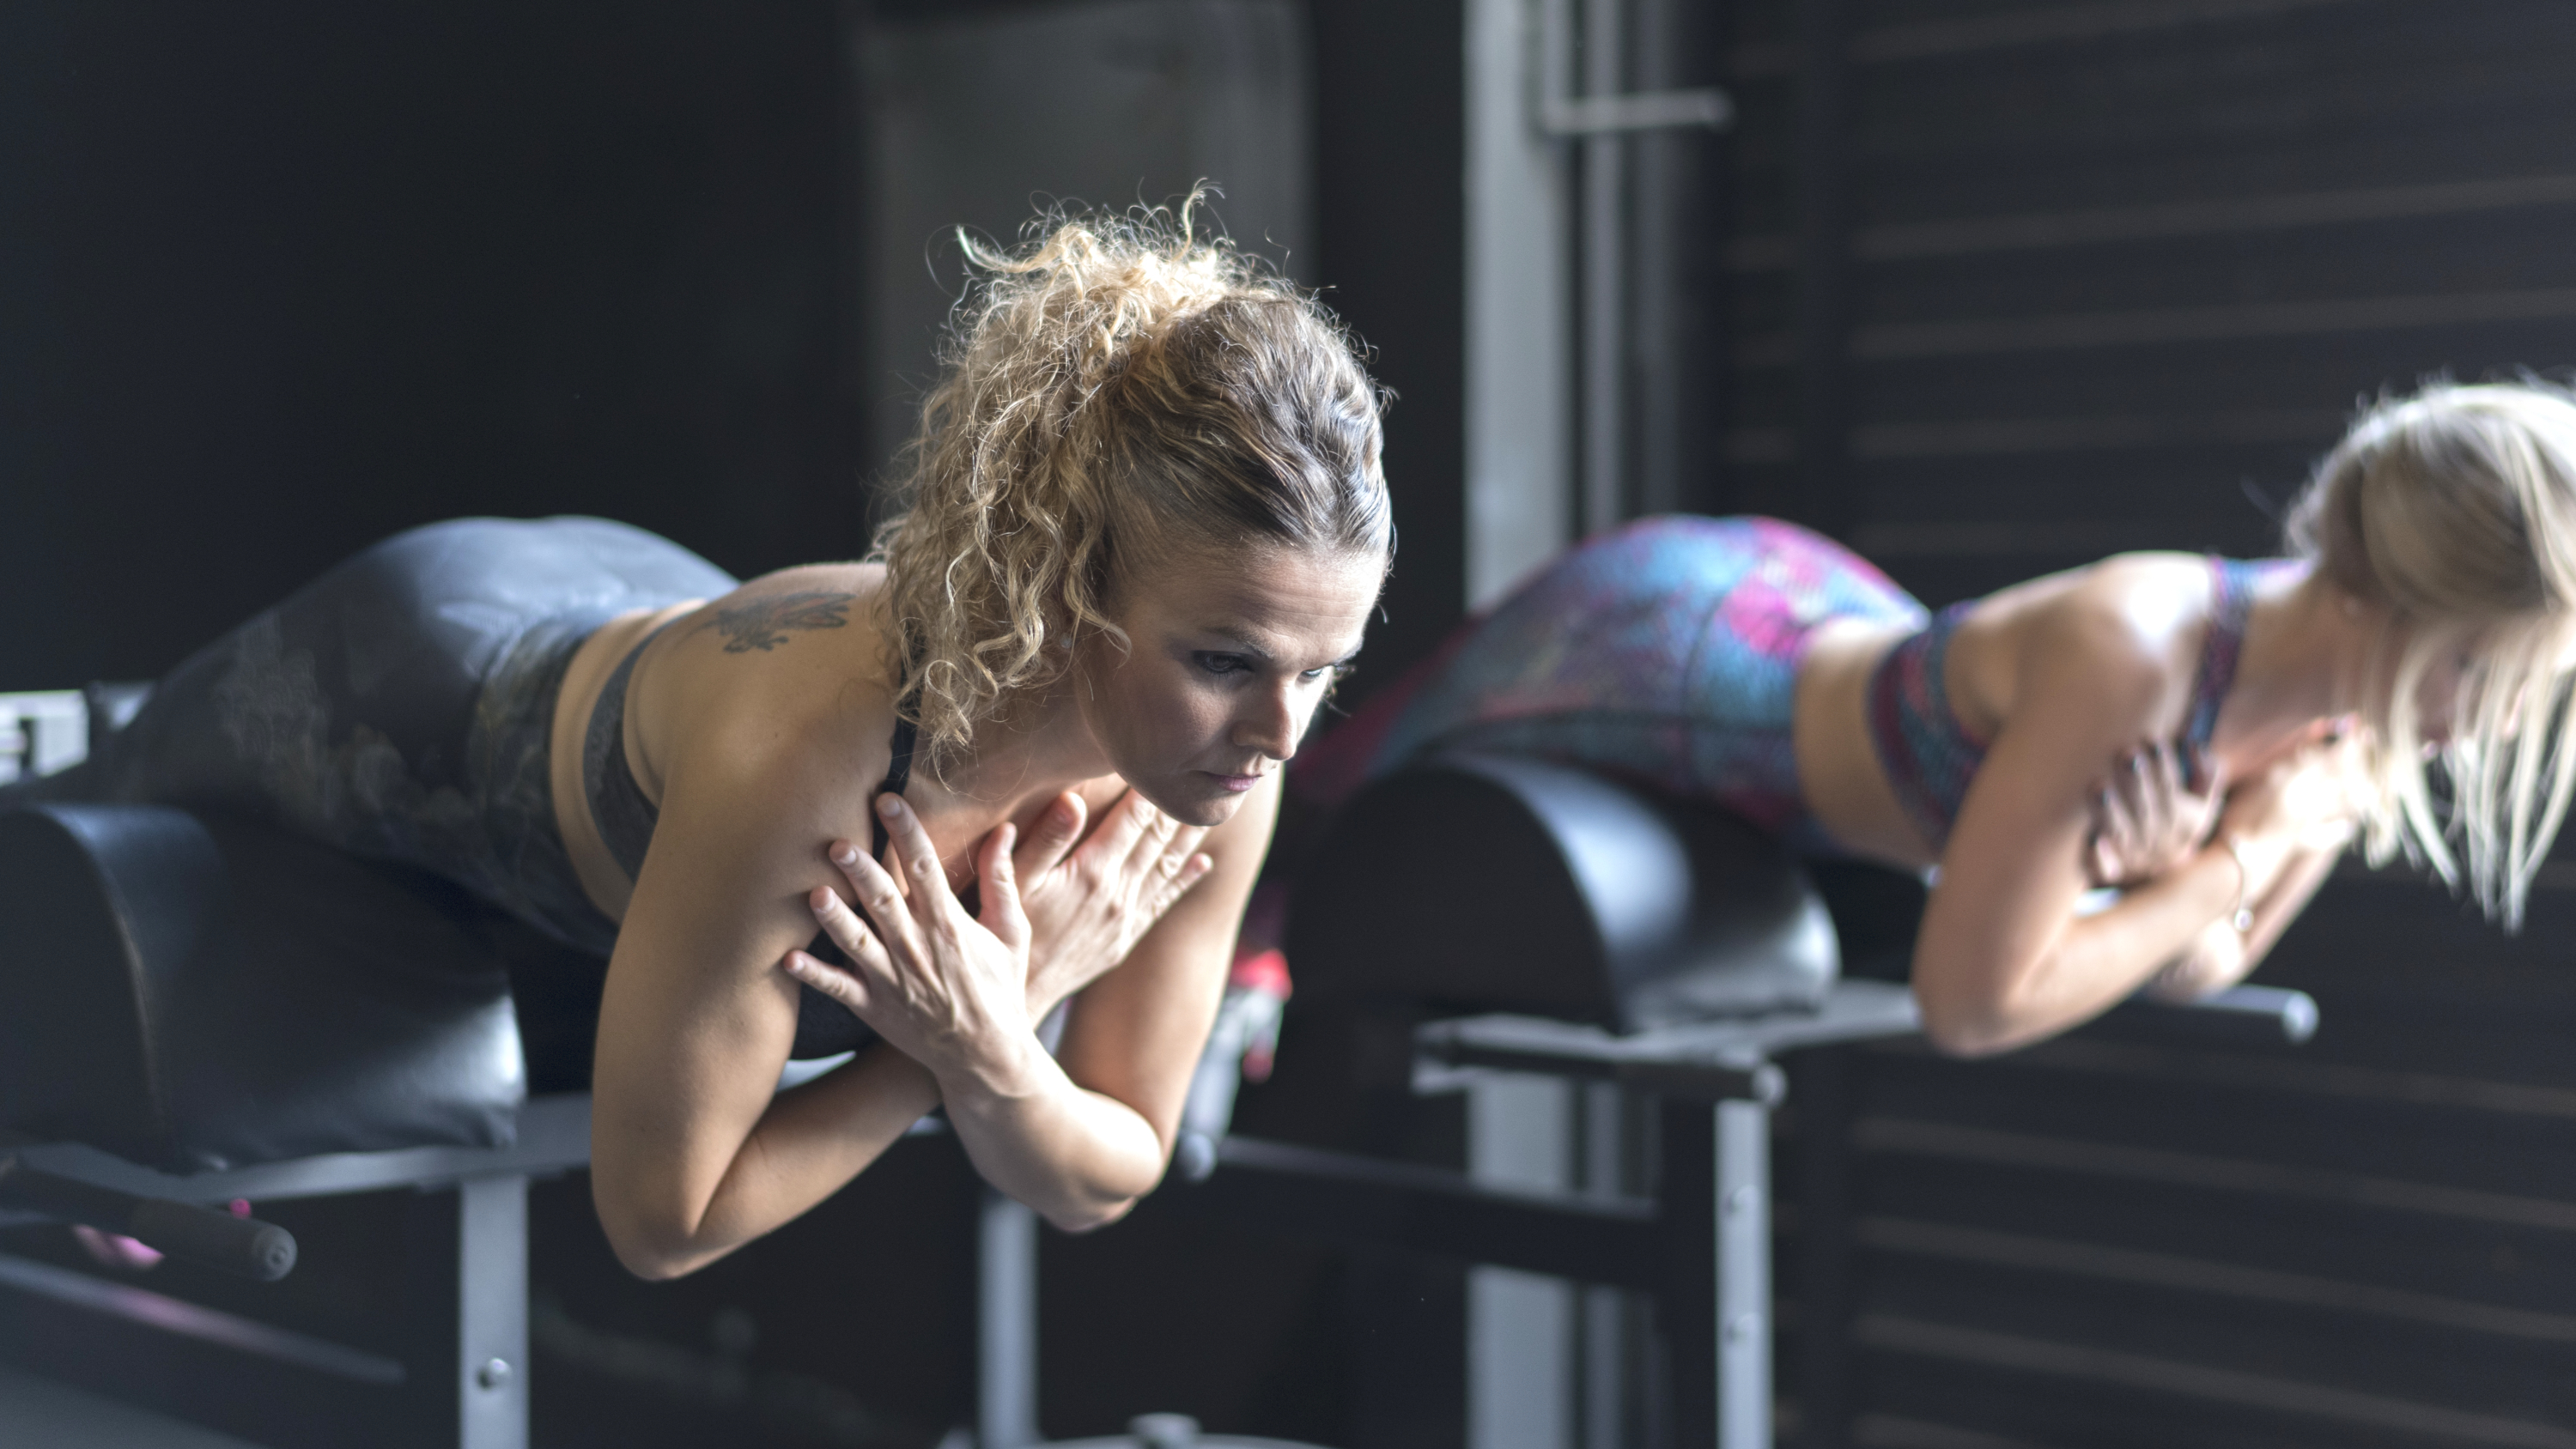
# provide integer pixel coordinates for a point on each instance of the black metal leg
(1686, 1296)
(1821, 1081)
(1715, 1303)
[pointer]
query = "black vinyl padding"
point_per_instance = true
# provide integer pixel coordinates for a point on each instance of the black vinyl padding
(1489, 883)
(196, 993)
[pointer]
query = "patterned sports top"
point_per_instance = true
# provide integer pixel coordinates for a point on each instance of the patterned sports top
(1930, 757)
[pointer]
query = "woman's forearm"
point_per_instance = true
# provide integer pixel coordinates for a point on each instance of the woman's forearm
(2092, 964)
(807, 1145)
(1081, 1158)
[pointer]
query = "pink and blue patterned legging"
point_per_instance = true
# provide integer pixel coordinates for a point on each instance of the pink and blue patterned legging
(1666, 651)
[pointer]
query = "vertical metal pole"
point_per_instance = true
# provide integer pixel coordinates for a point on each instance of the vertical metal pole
(1605, 1328)
(492, 1313)
(1820, 1077)
(1006, 1325)
(1519, 394)
(1824, 412)
(1520, 1326)
(1605, 268)
(1743, 1275)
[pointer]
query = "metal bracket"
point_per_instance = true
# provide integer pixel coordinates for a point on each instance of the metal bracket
(1646, 111)
(1562, 115)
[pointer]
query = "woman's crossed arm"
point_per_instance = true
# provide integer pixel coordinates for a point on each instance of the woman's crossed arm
(2004, 958)
(695, 1154)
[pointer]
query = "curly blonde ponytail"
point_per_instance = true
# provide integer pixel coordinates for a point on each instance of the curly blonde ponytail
(1113, 392)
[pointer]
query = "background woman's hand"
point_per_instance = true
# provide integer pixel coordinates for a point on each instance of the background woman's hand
(2300, 804)
(2154, 811)
(947, 989)
(1088, 904)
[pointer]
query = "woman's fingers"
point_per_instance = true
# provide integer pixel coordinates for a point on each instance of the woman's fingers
(842, 986)
(998, 887)
(1052, 836)
(889, 912)
(1130, 821)
(1164, 846)
(2147, 803)
(1189, 872)
(2113, 821)
(926, 877)
(865, 949)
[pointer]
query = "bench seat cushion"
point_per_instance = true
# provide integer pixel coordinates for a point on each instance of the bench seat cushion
(195, 993)
(1473, 883)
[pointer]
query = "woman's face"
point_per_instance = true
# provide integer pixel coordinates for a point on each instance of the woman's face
(1230, 651)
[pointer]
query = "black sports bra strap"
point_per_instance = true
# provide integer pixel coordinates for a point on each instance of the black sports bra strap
(898, 774)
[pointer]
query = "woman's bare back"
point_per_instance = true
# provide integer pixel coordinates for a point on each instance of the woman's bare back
(2139, 619)
(793, 661)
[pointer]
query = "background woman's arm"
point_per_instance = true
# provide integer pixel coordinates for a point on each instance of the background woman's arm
(2003, 959)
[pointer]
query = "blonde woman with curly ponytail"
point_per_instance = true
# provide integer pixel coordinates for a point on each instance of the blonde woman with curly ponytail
(2198, 737)
(1026, 756)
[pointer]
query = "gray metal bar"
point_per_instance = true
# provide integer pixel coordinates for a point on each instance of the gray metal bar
(159, 1313)
(1340, 1196)
(1006, 1325)
(1604, 413)
(1743, 1276)
(1561, 115)
(554, 1135)
(492, 1313)
(1604, 1342)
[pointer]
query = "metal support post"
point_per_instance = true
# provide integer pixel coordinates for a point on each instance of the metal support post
(1743, 1275)
(492, 1313)
(1714, 1307)
(1006, 1325)
(1520, 1325)
(1605, 1337)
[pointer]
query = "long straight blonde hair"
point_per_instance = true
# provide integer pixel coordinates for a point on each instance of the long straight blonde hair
(2454, 509)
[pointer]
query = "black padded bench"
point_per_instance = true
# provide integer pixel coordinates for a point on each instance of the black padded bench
(194, 1012)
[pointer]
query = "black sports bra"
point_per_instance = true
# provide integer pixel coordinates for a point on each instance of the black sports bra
(626, 819)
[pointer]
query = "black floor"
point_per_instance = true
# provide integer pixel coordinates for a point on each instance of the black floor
(40, 1412)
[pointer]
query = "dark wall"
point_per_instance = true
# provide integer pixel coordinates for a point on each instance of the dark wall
(278, 279)
(2020, 285)
(1390, 167)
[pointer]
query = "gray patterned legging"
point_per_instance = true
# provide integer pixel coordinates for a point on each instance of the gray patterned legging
(399, 706)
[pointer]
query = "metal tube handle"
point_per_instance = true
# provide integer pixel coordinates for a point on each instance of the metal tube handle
(193, 1234)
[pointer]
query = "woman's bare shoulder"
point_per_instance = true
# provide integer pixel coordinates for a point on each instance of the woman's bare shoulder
(787, 678)
(768, 611)
(2124, 632)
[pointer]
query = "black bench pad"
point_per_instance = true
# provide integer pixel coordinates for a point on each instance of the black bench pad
(1474, 883)
(197, 994)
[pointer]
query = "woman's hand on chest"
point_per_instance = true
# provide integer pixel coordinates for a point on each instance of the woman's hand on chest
(1090, 898)
(946, 987)
(1095, 866)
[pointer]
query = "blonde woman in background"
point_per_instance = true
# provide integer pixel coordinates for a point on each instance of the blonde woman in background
(2206, 734)
(1143, 527)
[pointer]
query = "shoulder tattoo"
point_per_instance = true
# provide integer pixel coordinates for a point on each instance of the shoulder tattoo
(764, 623)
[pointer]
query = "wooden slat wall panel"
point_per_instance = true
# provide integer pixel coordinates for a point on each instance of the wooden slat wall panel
(2110, 274)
